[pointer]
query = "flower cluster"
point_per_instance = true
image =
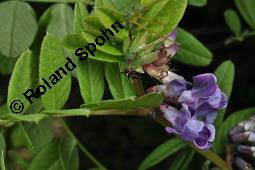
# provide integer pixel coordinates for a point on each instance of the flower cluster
(243, 135)
(191, 108)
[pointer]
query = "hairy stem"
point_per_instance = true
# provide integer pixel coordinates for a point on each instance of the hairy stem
(129, 112)
(82, 148)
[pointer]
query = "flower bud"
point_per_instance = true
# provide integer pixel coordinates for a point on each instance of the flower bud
(252, 118)
(246, 150)
(243, 137)
(242, 164)
(248, 125)
(236, 130)
(170, 39)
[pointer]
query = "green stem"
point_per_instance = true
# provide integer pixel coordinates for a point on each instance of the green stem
(109, 112)
(82, 148)
(249, 34)
(114, 112)
(212, 157)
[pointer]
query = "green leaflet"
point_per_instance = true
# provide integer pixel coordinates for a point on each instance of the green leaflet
(147, 3)
(183, 159)
(246, 9)
(19, 28)
(74, 41)
(62, 155)
(213, 157)
(51, 59)
(124, 4)
(222, 135)
(163, 17)
(4, 109)
(93, 21)
(225, 74)
(68, 154)
(99, 3)
(93, 26)
(2, 151)
(16, 137)
(55, 1)
(61, 22)
(206, 165)
(106, 48)
(37, 135)
(42, 24)
(2, 160)
(192, 51)
(139, 41)
(90, 72)
(233, 21)
(80, 13)
(120, 86)
(144, 59)
(91, 80)
(113, 12)
(197, 3)
(7, 64)
(161, 152)
(108, 21)
(24, 77)
(147, 101)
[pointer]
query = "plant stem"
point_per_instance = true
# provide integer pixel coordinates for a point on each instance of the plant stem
(82, 148)
(129, 112)
(139, 87)
(217, 160)
(249, 34)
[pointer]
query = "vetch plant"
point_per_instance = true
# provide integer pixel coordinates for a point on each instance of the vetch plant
(94, 58)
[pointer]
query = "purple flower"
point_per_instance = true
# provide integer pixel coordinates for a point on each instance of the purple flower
(192, 108)
(205, 94)
(188, 127)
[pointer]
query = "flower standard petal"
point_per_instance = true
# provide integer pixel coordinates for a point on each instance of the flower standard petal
(174, 89)
(204, 85)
